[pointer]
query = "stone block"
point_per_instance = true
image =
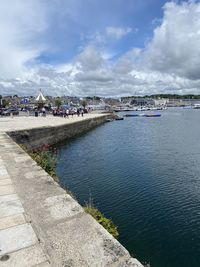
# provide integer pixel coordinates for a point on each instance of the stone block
(20, 159)
(6, 190)
(34, 174)
(43, 264)
(10, 221)
(83, 242)
(27, 257)
(3, 173)
(9, 208)
(8, 198)
(16, 238)
(5, 181)
(62, 206)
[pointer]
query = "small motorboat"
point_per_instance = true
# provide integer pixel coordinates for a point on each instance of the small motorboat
(119, 118)
(131, 115)
(142, 115)
(152, 115)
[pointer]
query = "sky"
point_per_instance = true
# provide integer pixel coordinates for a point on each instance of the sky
(98, 47)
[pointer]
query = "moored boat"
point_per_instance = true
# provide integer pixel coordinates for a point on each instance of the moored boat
(196, 106)
(152, 115)
(142, 115)
(131, 115)
(119, 118)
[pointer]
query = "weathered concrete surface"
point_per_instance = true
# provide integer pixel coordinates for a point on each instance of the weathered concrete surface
(66, 129)
(29, 256)
(41, 225)
(19, 245)
(8, 124)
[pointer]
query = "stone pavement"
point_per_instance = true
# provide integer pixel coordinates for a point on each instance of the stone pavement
(19, 245)
(41, 225)
(27, 122)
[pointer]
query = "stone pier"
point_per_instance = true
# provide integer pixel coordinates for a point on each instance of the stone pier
(40, 224)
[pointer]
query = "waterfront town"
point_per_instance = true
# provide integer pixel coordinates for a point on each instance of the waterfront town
(58, 105)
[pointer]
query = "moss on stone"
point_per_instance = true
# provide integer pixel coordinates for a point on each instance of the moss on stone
(100, 218)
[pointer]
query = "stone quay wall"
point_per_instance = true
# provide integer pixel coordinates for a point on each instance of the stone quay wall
(36, 137)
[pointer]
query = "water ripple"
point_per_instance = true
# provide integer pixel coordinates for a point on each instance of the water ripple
(145, 175)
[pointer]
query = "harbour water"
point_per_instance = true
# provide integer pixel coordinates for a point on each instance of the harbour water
(144, 173)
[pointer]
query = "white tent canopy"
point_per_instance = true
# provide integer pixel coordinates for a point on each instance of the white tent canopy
(40, 97)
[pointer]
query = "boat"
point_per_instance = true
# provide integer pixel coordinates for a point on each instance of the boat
(152, 115)
(125, 109)
(196, 106)
(131, 115)
(142, 115)
(119, 118)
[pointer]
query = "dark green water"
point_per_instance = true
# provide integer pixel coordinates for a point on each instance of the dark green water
(144, 173)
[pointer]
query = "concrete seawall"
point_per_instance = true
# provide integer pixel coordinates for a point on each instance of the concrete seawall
(36, 137)
(40, 224)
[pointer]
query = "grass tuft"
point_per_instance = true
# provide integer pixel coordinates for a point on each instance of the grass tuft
(100, 218)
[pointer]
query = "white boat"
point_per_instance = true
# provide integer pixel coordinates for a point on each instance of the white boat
(196, 106)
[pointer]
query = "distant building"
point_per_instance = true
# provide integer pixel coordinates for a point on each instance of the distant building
(190, 102)
(142, 102)
(174, 103)
(160, 102)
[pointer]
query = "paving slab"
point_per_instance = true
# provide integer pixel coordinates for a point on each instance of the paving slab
(3, 172)
(6, 190)
(21, 158)
(5, 181)
(10, 221)
(43, 264)
(27, 257)
(8, 198)
(9, 208)
(34, 174)
(3, 177)
(16, 238)
(9, 145)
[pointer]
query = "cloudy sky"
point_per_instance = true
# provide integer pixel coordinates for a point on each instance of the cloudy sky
(99, 47)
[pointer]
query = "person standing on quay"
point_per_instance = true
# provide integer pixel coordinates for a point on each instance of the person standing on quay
(64, 113)
(82, 112)
(43, 112)
(67, 113)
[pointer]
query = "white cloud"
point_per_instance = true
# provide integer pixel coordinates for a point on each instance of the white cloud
(20, 22)
(117, 32)
(175, 47)
(89, 59)
(170, 62)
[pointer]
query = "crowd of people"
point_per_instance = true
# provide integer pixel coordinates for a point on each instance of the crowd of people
(66, 112)
(43, 111)
(39, 112)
